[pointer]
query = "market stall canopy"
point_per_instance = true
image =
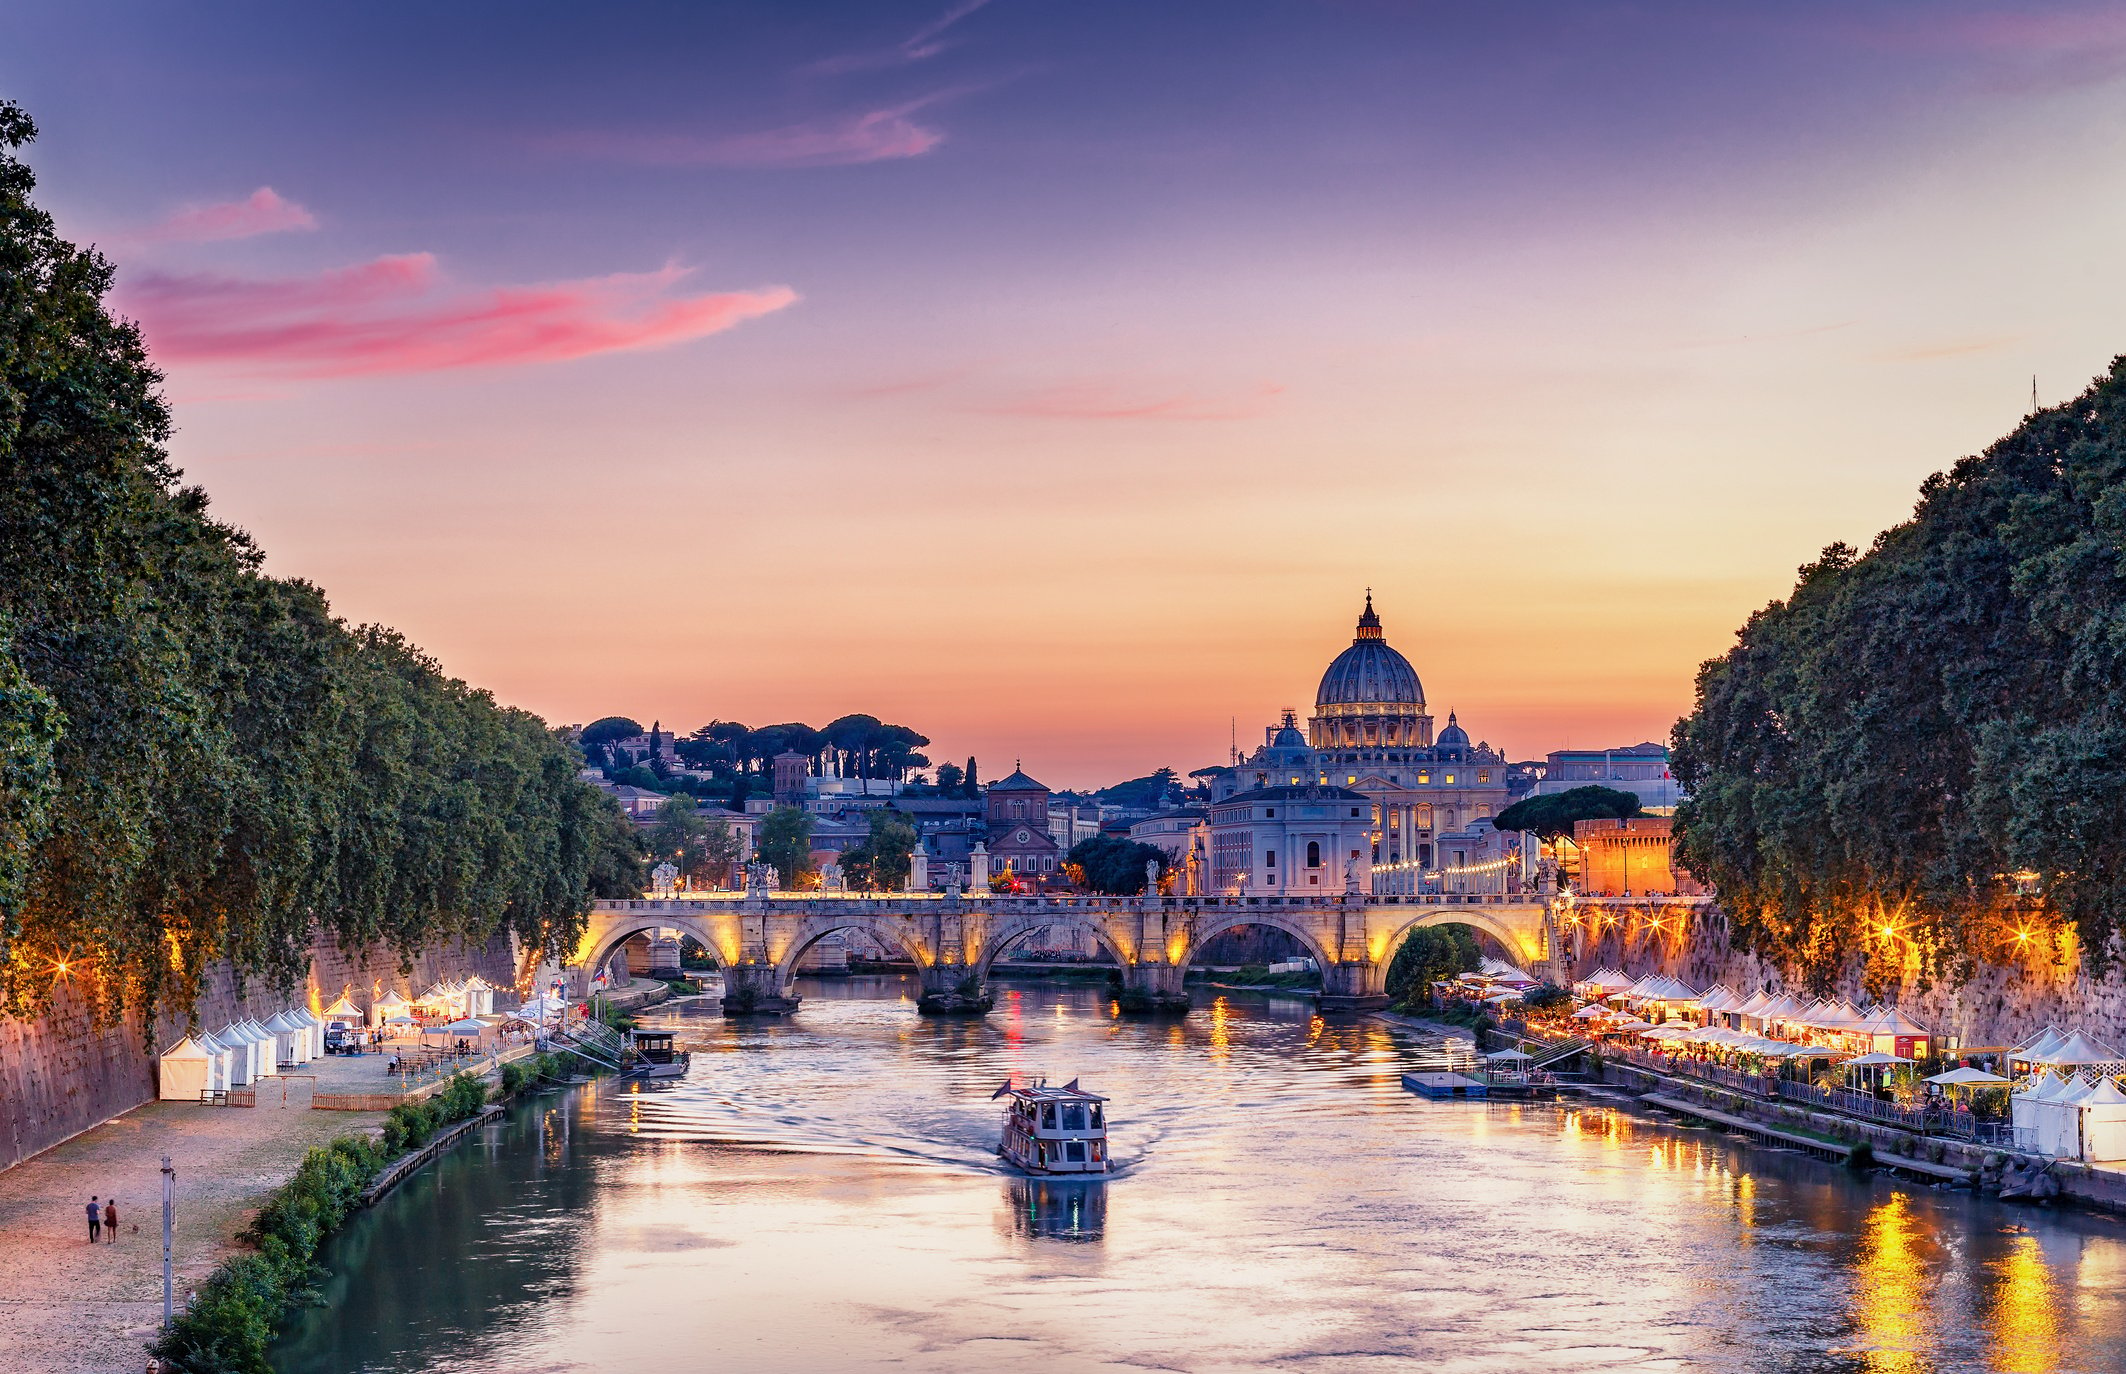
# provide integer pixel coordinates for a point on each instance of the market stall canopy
(1718, 997)
(1590, 1012)
(1967, 1078)
(1891, 1021)
(391, 998)
(468, 1026)
(1868, 1061)
(1754, 1005)
(1781, 1008)
(1517, 1056)
(342, 1010)
(2079, 1048)
(400, 1021)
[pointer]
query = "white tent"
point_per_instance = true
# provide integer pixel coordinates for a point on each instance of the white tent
(288, 1037)
(242, 1061)
(2055, 1123)
(263, 1044)
(2104, 1122)
(542, 1008)
(2080, 1049)
(1511, 1056)
(466, 1027)
(313, 1033)
(1967, 1078)
(2040, 1045)
(184, 1071)
(1586, 1013)
(345, 1010)
(388, 1006)
(221, 1061)
(479, 996)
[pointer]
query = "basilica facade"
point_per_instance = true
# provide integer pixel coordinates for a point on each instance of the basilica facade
(1428, 800)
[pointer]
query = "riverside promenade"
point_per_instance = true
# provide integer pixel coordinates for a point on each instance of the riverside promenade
(69, 1308)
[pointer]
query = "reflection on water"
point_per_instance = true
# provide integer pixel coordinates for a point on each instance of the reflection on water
(823, 1193)
(1056, 1209)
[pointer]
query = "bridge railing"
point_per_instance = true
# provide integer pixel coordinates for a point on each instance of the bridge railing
(1080, 902)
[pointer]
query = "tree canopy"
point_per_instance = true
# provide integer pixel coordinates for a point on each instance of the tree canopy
(197, 761)
(602, 732)
(1428, 955)
(882, 861)
(1113, 865)
(784, 843)
(1553, 815)
(1890, 758)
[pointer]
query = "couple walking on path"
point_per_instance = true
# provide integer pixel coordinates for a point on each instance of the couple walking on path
(103, 1217)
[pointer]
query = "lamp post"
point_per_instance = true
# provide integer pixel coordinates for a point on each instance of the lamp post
(169, 1209)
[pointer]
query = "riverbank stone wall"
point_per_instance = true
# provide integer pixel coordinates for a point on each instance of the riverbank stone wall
(61, 1074)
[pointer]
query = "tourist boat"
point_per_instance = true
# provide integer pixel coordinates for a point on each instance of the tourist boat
(655, 1057)
(1054, 1130)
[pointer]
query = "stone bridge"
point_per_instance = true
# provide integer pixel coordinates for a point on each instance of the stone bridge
(756, 938)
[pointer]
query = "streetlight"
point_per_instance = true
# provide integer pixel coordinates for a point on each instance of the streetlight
(169, 1208)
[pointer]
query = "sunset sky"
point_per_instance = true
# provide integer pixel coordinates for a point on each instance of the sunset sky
(1054, 376)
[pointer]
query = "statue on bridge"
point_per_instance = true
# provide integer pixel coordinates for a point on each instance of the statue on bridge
(1151, 877)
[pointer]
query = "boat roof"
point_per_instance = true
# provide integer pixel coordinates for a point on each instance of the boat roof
(1041, 1092)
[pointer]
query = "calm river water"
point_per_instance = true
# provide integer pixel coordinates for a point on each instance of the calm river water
(821, 1194)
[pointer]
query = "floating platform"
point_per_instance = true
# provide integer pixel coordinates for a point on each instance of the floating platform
(1440, 1086)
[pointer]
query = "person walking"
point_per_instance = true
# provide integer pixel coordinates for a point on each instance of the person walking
(110, 1221)
(95, 1220)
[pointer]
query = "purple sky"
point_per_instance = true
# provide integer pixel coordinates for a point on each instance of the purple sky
(1055, 376)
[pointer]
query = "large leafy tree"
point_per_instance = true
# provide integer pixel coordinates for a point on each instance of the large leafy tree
(784, 843)
(1919, 751)
(882, 862)
(1555, 814)
(1113, 865)
(197, 762)
(1428, 955)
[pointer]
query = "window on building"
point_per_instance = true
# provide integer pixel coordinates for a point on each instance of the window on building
(1269, 858)
(1376, 817)
(1269, 813)
(1483, 775)
(1424, 778)
(1351, 780)
(1450, 780)
(1313, 854)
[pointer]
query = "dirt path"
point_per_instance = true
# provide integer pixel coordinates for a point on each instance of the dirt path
(66, 1308)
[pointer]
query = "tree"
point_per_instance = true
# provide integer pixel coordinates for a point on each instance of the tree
(678, 833)
(721, 849)
(1553, 814)
(618, 870)
(971, 787)
(1428, 955)
(882, 862)
(1915, 755)
(602, 732)
(949, 779)
(198, 762)
(635, 775)
(785, 843)
(1113, 865)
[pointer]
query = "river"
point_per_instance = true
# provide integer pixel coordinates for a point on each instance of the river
(820, 1193)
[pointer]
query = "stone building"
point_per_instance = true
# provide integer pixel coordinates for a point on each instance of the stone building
(1631, 858)
(1431, 798)
(1307, 840)
(1019, 839)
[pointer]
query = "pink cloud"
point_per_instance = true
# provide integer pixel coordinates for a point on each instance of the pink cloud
(925, 42)
(397, 314)
(264, 211)
(1111, 401)
(873, 136)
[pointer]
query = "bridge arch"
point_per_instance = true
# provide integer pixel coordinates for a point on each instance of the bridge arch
(604, 938)
(1523, 945)
(1013, 929)
(1210, 926)
(887, 930)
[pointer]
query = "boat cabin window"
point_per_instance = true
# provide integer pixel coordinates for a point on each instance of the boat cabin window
(1074, 1151)
(1096, 1116)
(1048, 1116)
(1073, 1116)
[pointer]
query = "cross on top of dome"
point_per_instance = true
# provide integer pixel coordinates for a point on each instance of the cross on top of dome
(1368, 622)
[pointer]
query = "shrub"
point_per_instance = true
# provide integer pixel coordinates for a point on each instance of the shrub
(231, 1321)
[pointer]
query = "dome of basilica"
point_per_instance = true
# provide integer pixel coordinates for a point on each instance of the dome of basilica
(1369, 672)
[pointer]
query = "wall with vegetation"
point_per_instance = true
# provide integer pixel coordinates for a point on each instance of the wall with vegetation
(67, 1069)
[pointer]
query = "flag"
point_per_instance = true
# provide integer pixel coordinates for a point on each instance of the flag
(1001, 1091)
(1071, 1086)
